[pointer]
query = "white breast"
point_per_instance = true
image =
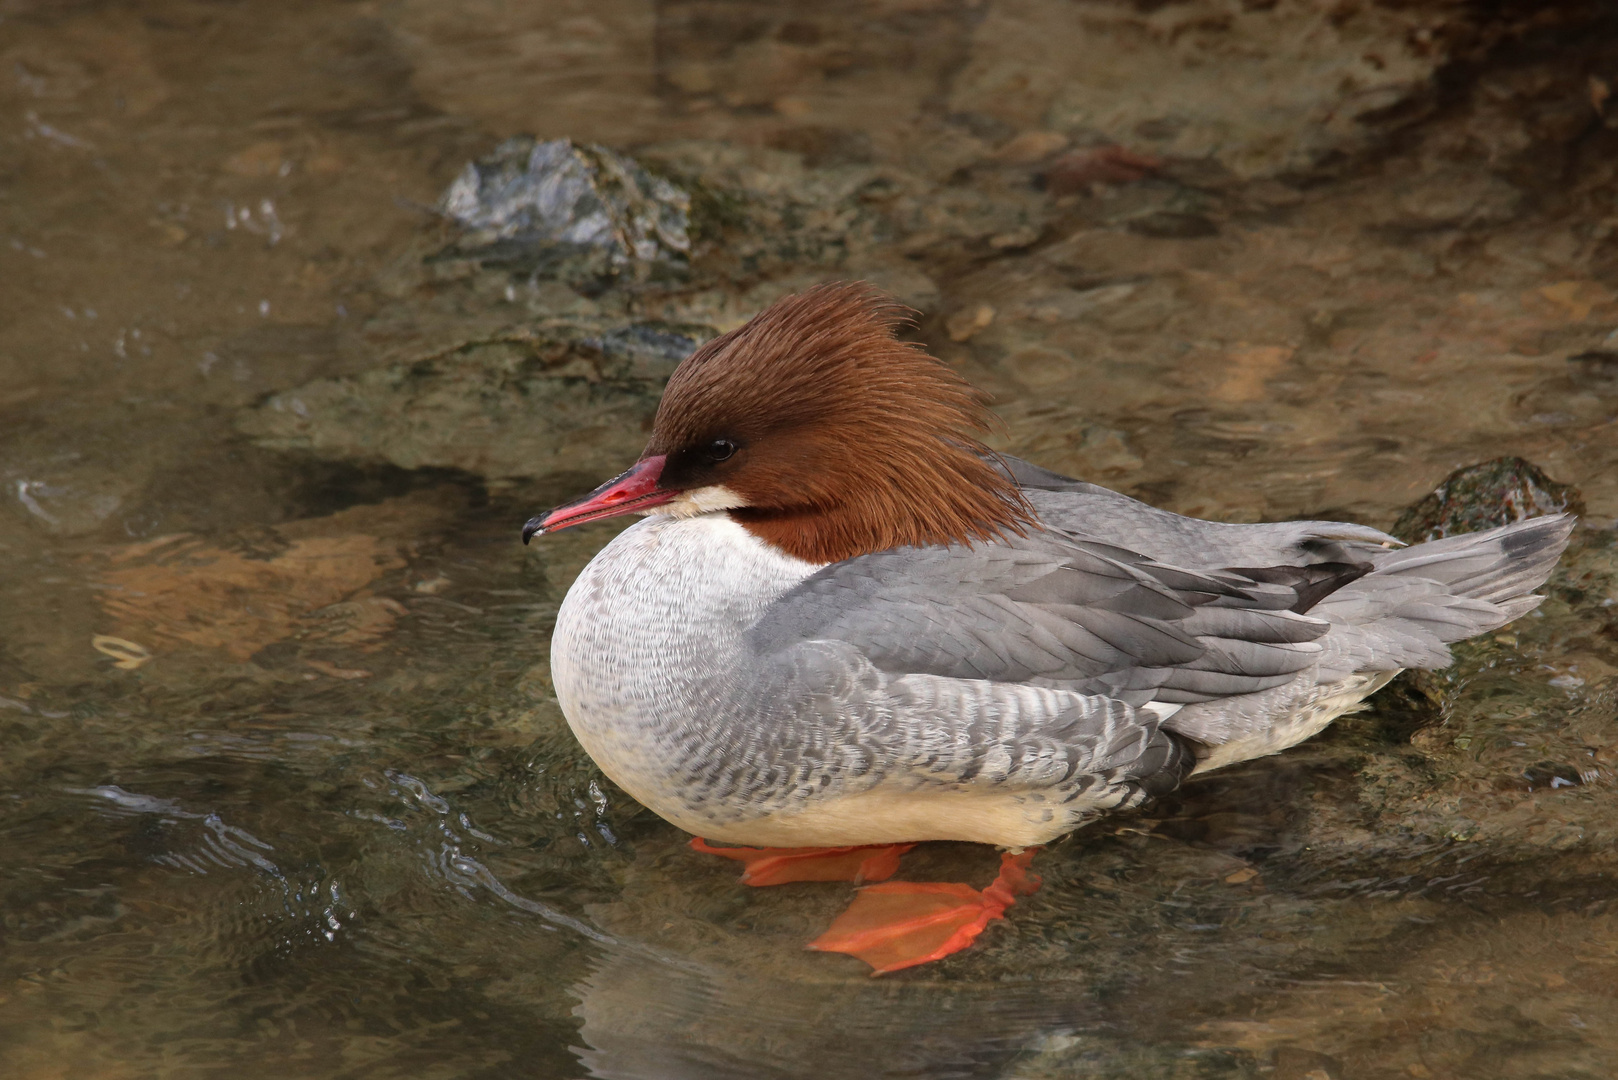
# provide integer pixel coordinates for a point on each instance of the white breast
(650, 623)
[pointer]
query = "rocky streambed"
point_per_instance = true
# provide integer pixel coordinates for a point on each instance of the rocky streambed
(286, 783)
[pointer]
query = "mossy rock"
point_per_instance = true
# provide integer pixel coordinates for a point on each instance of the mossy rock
(1486, 495)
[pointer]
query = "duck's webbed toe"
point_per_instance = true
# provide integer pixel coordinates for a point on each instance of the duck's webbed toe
(904, 923)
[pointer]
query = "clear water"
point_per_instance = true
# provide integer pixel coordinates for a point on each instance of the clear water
(284, 790)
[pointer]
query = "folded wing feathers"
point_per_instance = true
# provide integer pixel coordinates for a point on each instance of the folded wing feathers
(1054, 611)
(1277, 628)
(1051, 660)
(1185, 686)
(1071, 615)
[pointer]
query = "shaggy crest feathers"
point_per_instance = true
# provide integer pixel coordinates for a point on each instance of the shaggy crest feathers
(854, 441)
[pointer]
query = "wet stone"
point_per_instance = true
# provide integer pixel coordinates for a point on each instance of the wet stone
(559, 195)
(1486, 495)
(1551, 775)
(761, 214)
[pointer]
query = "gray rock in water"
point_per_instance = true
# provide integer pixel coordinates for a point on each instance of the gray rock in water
(580, 196)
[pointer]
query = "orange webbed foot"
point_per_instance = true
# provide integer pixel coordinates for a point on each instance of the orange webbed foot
(905, 923)
(778, 866)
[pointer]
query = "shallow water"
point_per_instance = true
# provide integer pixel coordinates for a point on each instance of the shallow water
(285, 790)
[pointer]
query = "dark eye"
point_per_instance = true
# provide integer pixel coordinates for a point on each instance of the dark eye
(719, 450)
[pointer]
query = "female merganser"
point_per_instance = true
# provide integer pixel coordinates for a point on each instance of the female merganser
(846, 626)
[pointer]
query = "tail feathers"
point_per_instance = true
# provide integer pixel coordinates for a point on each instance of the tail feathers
(1495, 565)
(1516, 608)
(1419, 600)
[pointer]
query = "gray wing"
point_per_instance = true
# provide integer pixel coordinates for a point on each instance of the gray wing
(1086, 511)
(1055, 612)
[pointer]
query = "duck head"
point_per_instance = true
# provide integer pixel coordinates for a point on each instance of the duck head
(823, 434)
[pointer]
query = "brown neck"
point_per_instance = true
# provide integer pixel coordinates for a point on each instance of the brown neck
(828, 536)
(809, 535)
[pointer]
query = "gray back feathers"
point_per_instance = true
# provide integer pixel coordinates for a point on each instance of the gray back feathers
(1119, 599)
(1053, 611)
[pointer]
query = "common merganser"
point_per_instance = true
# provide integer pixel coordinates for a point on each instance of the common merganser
(846, 626)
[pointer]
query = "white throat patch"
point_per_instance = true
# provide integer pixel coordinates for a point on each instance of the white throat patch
(705, 500)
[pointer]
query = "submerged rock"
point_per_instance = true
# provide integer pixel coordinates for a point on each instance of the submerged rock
(548, 398)
(694, 215)
(1483, 496)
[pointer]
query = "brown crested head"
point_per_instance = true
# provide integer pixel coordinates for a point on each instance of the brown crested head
(825, 435)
